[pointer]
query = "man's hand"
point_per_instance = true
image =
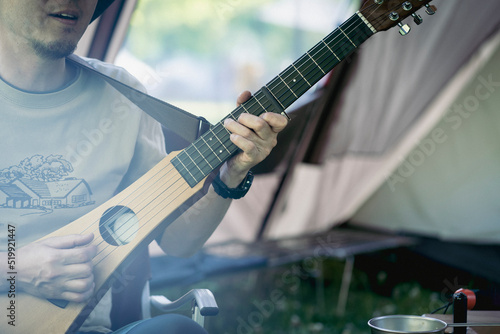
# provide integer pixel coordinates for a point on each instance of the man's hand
(58, 268)
(255, 136)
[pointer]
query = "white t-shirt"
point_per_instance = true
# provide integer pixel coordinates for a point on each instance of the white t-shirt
(64, 153)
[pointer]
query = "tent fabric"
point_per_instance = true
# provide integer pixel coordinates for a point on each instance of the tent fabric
(447, 186)
(384, 116)
(399, 90)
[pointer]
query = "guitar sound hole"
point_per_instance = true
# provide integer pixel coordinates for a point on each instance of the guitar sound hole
(118, 225)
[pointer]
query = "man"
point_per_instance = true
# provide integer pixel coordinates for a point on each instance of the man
(70, 142)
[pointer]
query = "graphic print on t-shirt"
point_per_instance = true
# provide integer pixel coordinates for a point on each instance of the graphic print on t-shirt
(41, 184)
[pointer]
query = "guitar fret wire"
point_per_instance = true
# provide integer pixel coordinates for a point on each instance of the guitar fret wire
(279, 76)
(301, 76)
(203, 157)
(307, 53)
(281, 95)
(243, 107)
(324, 42)
(220, 151)
(185, 167)
(189, 156)
(333, 53)
(214, 135)
(348, 38)
(256, 98)
(330, 35)
(228, 132)
(282, 106)
(211, 148)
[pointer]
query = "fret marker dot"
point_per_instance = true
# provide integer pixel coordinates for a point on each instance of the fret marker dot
(220, 151)
(294, 80)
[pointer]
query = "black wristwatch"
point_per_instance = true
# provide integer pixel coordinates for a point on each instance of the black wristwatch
(235, 193)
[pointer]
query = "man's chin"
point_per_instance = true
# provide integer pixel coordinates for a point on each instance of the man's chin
(54, 50)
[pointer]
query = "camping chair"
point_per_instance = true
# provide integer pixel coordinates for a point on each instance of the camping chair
(132, 300)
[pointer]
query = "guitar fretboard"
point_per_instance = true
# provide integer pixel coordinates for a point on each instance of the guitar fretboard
(214, 147)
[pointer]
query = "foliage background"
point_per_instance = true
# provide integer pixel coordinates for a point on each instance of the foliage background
(200, 54)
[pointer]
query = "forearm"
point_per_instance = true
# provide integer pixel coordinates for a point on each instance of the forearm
(188, 233)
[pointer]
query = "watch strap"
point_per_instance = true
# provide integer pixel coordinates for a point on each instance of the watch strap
(234, 193)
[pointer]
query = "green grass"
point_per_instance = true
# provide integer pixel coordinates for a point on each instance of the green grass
(302, 298)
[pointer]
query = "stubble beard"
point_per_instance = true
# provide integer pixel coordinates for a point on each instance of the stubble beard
(53, 50)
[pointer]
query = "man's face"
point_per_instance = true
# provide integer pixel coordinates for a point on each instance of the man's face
(50, 28)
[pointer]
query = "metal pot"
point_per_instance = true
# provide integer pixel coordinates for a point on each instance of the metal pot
(406, 324)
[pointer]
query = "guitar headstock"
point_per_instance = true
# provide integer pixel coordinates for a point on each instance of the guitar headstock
(385, 14)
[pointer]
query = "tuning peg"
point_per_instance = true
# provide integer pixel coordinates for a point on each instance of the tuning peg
(417, 18)
(430, 10)
(404, 29)
(407, 6)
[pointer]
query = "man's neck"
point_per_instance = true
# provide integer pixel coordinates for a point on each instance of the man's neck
(33, 74)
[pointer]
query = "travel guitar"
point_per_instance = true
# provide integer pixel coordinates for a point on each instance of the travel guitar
(131, 220)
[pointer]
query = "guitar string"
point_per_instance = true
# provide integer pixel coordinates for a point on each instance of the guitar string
(321, 49)
(98, 241)
(92, 224)
(161, 175)
(171, 196)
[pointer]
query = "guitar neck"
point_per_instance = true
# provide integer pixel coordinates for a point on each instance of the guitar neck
(213, 148)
